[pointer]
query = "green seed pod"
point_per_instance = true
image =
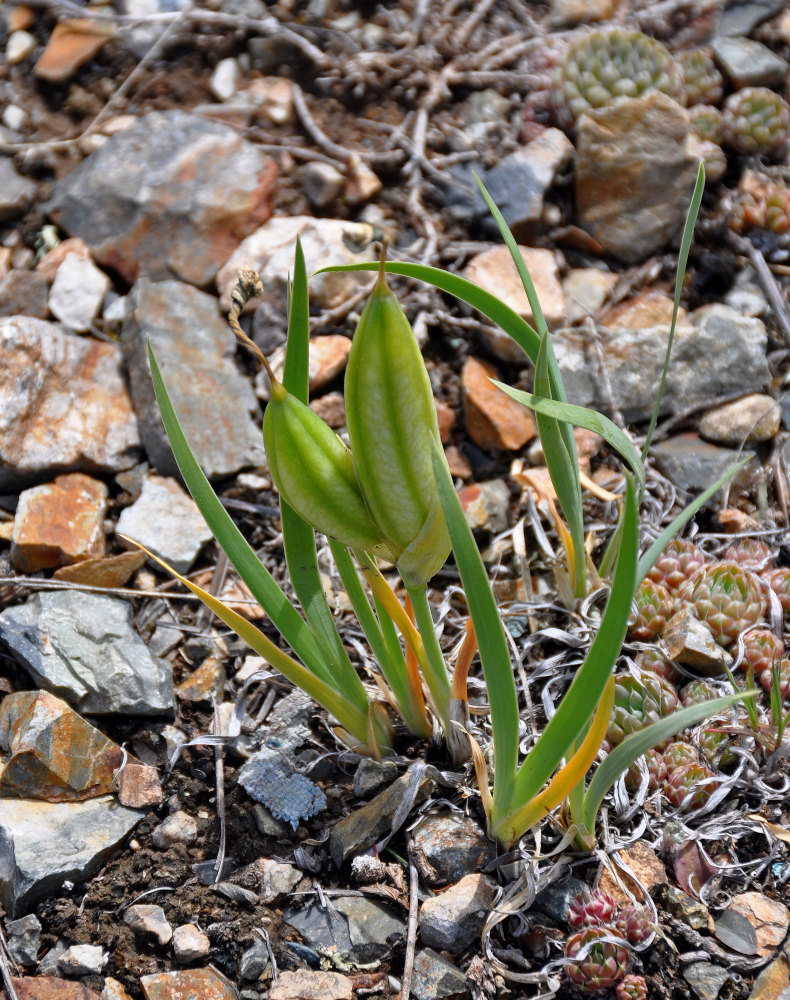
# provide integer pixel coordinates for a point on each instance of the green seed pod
(314, 473)
(391, 420)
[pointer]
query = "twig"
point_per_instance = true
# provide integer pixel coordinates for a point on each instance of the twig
(33, 583)
(411, 932)
(219, 784)
(205, 614)
(465, 29)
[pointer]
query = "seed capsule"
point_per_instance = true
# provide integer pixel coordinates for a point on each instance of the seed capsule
(391, 420)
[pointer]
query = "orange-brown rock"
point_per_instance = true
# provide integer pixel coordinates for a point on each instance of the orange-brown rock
(53, 753)
(110, 571)
(493, 420)
(650, 308)
(495, 271)
(73, 42)
(331, 408)
(49, 988)
(187, 984)
(138, 785)
(645, 865)
(51, 261)
(306, 984)
(458, 463)
(206, 680)
(59, 523)
(446, 417)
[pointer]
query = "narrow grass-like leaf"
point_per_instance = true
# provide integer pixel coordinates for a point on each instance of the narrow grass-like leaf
(685, 244)
(262, 585)
(492, 645)
(658, 546)
(569, 721)
(633, 746)
(581, 416)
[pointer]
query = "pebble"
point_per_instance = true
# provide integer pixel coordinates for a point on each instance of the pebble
(322, 183)
(53, 754)
(327, 357)
(450, 846)
(254, 961)
(195, 352)
(75, 414)
(48, 966)
(110, 571)
(167, 521)
(23, 939)
(305, 984)
(371, 774)
(363, 827)
(24, 293)
(689, 642)
(82, 960)
(357, 929)
(648, 870)
(19, 46)
(486, 505)
(434, 978)
(225, 79)
(113, 990)
(270, 250)
(52, 259)
(269, 878)
(585, 289)
(649, 308)
(77, 293)
(114, 198)
(493, 420)
(684, 907)
(770, 919)
(645, 140)
(72, 43)
(150, 920)
(569, 13)
(190, 944)
(51, 633)
(706, 979)
(744, 18)
(746, 296)
(14, 117)
(749, 420)
(693, 465)
(361, 182)
(205, 683)
(59, 523)
(747, 63)
(188, 984)
(138, 786)
(272, 97)
(178, 828)
(452, 920)
(773, 983)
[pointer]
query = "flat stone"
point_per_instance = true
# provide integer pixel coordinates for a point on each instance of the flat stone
(190, 944)
(153, 200)
(167, 521)
(356, 929)
(749, 420)
(585, 290)
(138, 786)
(71, 44)
(195, 352)
(451, 846)
(23, 939)
(773, 982)
(77, 292)
(434, 978)
(770, 919)
(84, 648)
(453, 920)
(188, 984)
(716, 353)
(705, 979)
(635, 172)
(649, 308)
(270, 252)
(254, 961)
(111, 571)
(53, 754)
(46, 987)
(149, 920)
(322, 183)
(363, 827)
(689, 641)
(43, 844)
(744, 18)
(554, 900)
(371, 774)
(178, 828)
(493, 420)
(63, 404)
(82, 960)
(16, 192)
(24, 293)
(305, 984)
(693, 464)
(747, 63)
(647, 867)
(59, 523)
(486, 505)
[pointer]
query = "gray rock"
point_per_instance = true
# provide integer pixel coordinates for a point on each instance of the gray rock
(44, 844)
(167, 521)
(195, 352)
(48, 966)
(556, 898)
(743, 18)
(718, 353)
(23, 939)
(434, 978)
(269, 777)
(746, 295)
(84, 648)
(355, 928)
(749, 420)
(693, 465)
(64, 406)
(452, 920)
(82, 960)
(154, 199)
(16, 192)
(267, 824)
(370, 775)
(254, 961)
(77, 292)
(322, 183)
(747, 63)
(24, 293)
(178, 828)
(150, 920)
(705, 979)
(451, 846)
(585, 290)
(635, 171)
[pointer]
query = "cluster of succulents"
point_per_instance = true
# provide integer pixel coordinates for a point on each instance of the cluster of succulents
(598, 953)
(766, 208)
(756, 120)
